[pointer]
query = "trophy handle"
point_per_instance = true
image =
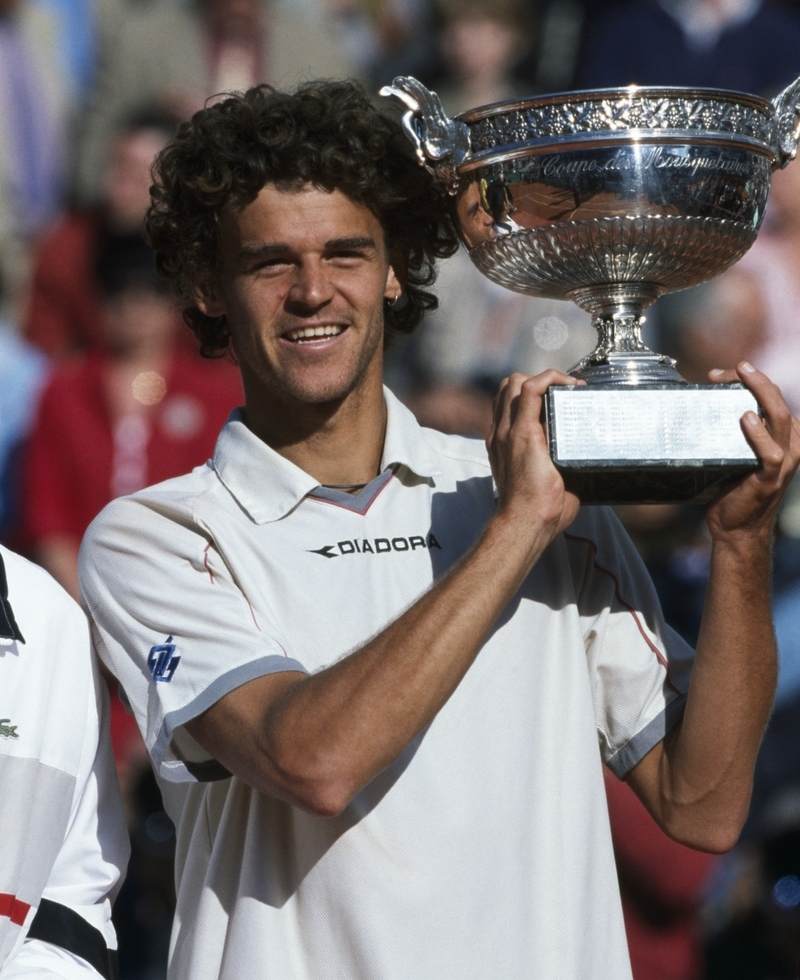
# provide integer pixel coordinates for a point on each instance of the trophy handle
(442, 144)
(787, 119)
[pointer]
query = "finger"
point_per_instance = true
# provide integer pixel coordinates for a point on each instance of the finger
(527, 413)
(723, 375)
(776, 414)
(777, 417)
(505, 403)
(767, 449)
(509, 388)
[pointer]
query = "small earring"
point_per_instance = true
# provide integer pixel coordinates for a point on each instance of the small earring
(393, 302)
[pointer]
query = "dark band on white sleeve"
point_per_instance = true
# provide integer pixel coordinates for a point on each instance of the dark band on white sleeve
(177, 771)
(629, 755)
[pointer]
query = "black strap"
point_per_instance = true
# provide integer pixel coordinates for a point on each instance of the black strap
(62, 926)
(8, 625)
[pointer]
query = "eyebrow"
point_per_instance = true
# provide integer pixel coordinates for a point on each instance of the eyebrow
(272, 249)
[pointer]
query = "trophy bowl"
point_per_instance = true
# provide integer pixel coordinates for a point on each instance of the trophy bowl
(611, 198)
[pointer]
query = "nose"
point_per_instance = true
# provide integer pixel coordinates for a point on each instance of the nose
(311, 286)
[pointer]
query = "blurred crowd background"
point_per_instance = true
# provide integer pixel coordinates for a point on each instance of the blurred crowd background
(102, 392)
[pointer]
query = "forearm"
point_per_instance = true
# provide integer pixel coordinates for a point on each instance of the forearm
(706, 766)
(697, 782)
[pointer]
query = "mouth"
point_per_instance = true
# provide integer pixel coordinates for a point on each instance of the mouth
(305, 335)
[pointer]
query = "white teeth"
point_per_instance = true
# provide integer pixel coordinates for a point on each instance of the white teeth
(312, 333)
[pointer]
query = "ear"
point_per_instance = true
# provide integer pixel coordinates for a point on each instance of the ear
(394, 286)
(208, 301)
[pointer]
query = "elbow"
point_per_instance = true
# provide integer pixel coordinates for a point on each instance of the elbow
(715, 836)
(325, 803)
(320, 797)
(315, 782)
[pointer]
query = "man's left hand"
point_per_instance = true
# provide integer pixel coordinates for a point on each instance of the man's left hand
(750, 506)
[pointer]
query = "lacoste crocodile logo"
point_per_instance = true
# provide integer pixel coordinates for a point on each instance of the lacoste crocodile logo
(7, 730)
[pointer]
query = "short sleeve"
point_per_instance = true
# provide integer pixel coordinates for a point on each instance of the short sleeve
(639, 667)
(172, 625)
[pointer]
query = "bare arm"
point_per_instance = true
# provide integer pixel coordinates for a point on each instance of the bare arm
(697, 782)
(316, 741)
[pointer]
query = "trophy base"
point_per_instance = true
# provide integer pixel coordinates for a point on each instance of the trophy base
(652, 443)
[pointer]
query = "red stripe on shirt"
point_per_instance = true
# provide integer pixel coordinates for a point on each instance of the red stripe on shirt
(11, 906)
(659, 655)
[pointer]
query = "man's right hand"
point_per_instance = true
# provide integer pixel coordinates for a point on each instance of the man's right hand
(530, 489)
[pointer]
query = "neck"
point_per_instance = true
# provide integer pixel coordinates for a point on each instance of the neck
(339, 444)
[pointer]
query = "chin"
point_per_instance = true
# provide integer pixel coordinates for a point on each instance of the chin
(322, 393)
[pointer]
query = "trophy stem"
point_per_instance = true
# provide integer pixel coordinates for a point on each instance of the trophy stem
(620, 357)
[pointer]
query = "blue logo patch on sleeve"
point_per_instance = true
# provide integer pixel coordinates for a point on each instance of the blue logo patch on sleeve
(161, 661)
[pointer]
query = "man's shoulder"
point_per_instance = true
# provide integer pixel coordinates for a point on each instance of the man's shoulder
(27, 579)
(176, 498)
(55, 636)
(457, 449)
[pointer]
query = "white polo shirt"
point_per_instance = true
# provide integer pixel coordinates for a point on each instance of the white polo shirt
(62, 831)
(484, 850)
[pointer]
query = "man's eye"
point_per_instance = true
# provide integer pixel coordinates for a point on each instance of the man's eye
(269, 265)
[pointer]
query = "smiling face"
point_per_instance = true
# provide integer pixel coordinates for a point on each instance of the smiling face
(303, 276)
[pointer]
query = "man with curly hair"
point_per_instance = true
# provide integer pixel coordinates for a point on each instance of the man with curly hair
(373, 663)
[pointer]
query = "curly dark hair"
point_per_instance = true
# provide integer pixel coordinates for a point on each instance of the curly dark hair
(328, 134)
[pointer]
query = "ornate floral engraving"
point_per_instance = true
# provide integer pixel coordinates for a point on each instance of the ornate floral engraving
(599, 114)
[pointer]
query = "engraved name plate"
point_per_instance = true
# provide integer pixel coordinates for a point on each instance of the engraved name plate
(691, 424)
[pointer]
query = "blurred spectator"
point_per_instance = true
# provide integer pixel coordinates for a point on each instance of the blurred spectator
(558, 27)
(22, 373)
(715, 324)
(177, 55)
(136, 412)
(482, 42)
(81, 27)
(746, 45)
(34, 109)
(750, 311)
(482, 332)
(772, 263)
(662, 885)
(65, 314)
(754, 910)
(385, 38)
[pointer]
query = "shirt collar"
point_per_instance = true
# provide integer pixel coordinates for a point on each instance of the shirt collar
(268, 486)
(8, 625)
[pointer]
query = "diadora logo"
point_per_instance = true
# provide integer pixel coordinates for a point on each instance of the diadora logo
(162, 662)
(376, 546)
(7, 730)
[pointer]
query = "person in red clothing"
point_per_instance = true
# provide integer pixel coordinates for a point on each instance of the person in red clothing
(134, 412)
(65, 313)
(662, 884)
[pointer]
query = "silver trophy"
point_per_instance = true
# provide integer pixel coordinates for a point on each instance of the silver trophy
(611, 198)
